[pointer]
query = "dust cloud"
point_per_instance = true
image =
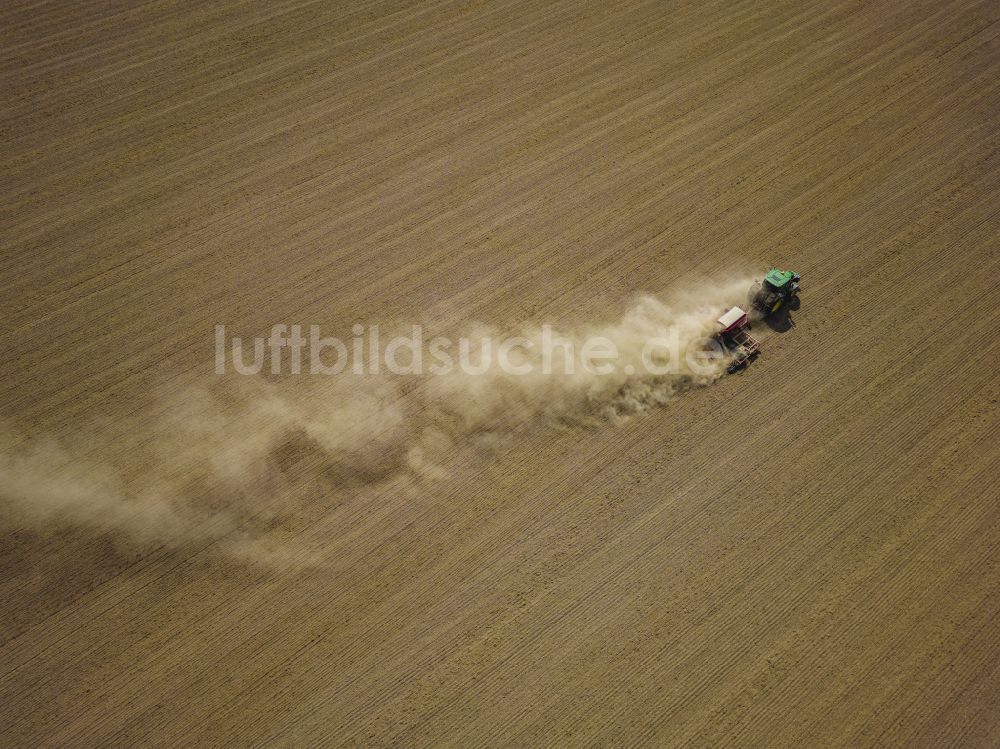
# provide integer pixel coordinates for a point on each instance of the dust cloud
(223, 460)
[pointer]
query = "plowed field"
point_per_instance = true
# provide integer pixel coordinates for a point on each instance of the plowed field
(803, 554)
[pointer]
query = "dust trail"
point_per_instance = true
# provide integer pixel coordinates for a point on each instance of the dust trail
(496, 401)
(44, 485)
(229, 458)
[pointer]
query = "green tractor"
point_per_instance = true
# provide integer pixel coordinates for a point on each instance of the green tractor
(780, 288)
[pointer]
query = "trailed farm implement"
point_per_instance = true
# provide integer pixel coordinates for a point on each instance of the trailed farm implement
(735, 339)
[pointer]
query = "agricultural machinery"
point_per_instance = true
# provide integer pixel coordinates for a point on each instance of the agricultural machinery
(780, 288)
(735, 339)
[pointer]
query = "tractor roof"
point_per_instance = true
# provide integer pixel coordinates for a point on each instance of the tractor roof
(778, 278)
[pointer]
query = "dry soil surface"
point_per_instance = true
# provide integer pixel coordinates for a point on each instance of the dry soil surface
(803, 554)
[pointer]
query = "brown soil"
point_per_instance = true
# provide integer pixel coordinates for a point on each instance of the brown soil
(803, 554)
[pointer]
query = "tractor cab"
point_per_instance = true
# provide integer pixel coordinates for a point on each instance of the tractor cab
(735, 339)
